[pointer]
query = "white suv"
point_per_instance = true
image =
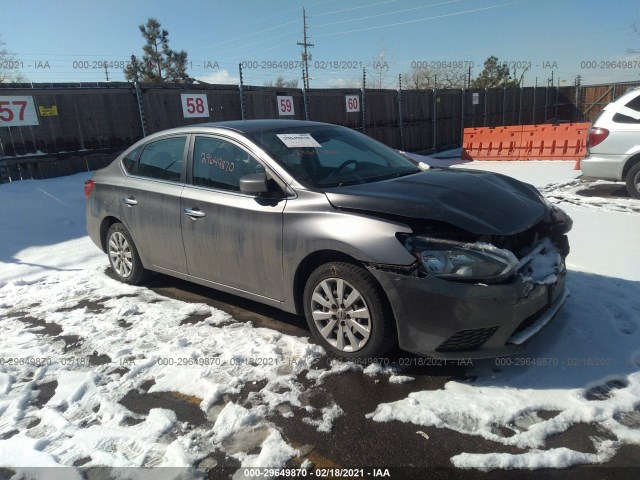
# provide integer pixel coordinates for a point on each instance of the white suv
(613, 143)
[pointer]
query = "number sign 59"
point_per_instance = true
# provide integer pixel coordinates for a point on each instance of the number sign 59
(285, 105)
(194, 105)
(17, 111)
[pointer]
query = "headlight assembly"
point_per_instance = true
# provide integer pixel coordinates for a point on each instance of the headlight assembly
(461, 261)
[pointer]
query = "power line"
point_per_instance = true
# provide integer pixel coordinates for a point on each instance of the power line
(422, 19)
(254, 33)
(390, 13)
(369, 5)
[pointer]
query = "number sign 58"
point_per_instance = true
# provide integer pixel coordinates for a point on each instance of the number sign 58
(285, 105)
(17, 111)
(194, 105)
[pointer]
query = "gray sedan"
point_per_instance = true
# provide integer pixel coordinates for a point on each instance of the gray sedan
(372, 247)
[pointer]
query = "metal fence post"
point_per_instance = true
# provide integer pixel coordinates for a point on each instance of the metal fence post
(546, 101)
(364, 101)
(305, 101)
(435, 122)
(400, 111)
(241, 87)
(504, 106)
(462, 116)
(533, 107)
(484, 113)
(520, 105)
(143, 123)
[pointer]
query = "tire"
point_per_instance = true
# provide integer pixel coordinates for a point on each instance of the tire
(369, 335)
(123, 255)
(633, 181)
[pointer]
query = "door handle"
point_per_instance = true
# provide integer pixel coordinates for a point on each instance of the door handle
(194, 213)
(130, 201)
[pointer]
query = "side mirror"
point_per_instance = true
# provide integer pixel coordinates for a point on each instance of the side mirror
(254, 184)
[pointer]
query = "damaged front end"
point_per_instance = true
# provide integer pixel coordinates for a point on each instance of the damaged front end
(477, 296)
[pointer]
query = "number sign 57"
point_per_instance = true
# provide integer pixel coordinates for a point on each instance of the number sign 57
(285, 105)
(17, 111)
(194, 105)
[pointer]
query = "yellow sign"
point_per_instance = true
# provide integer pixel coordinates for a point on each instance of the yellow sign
(48, 111)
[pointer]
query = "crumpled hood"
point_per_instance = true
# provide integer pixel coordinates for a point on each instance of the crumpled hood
(479, 202)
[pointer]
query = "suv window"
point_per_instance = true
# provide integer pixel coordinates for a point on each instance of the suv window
(162, 159)
(629, 117)
(221, 164)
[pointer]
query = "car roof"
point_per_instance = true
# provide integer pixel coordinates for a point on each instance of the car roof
(248, 126)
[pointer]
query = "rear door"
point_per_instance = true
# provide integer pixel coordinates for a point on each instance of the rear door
(231, 238)
(150, 202)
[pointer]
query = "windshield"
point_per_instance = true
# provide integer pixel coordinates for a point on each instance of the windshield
(325, 156)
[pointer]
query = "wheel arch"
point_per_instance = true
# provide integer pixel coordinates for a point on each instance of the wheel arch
(629, 164)
(104, 228)
(313, 261)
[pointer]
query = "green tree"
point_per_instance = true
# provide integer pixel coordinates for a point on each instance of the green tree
(159, 62)
(494, 74)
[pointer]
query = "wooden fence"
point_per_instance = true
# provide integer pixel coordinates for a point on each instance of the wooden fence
(100, 119)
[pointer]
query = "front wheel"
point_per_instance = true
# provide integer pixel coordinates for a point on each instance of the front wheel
(347, 311)
(123, 255)
(633, 181)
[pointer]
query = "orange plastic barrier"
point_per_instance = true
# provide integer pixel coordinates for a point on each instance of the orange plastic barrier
(566, 141)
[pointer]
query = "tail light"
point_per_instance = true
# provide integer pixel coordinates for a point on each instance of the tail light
(596, 136)
(88, 187)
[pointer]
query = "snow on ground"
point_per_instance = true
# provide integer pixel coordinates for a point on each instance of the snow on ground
(68, 329)
(94, 340)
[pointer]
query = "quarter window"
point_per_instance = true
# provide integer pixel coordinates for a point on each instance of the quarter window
(627, 116)
(220, 164)
(162, 159)
(130, 162)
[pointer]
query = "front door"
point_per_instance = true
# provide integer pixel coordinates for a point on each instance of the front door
(231, 238)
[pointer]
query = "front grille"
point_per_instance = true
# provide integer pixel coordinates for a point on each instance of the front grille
(466, 340)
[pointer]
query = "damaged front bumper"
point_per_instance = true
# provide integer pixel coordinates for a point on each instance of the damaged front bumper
(451, 320)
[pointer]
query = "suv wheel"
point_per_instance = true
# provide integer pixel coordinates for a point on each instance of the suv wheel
(633, 181)
(347, 311)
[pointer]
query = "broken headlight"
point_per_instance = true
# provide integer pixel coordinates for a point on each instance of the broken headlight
(461, 261)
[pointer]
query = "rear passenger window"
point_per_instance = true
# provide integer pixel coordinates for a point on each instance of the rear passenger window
(630, 113)
(221, 164)
(162, 159)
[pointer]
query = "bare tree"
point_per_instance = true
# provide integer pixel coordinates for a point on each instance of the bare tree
(9, 66)
(282, 83)
(427, 78)
(380, 67)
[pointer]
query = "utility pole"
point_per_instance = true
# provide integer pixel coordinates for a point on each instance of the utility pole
(305, 55)
(106, 72)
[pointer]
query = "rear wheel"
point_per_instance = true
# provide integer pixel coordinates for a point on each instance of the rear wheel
(633, 181)
(123, 255)
(347, 311)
